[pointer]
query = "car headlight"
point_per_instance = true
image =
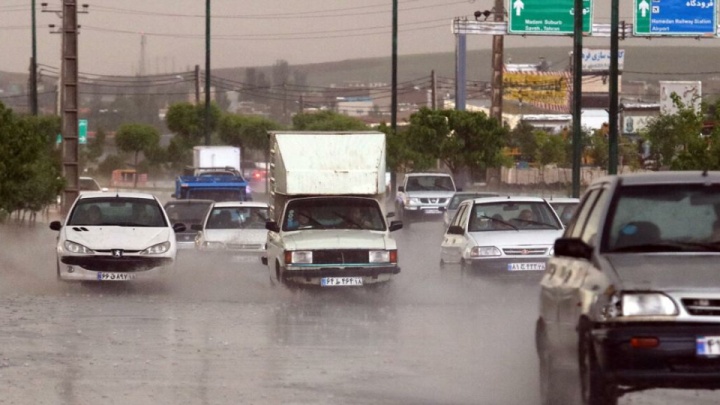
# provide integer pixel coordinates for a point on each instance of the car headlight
(484, 251)
(158, 249)
(299, 257)
(412, 201)
(213, 245)
(647, 304)
(73, 247)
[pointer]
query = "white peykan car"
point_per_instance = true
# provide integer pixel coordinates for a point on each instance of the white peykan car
(502, 234)
(115, 237)
(234, 228)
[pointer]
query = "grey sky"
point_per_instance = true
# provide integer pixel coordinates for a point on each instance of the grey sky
(259, 32)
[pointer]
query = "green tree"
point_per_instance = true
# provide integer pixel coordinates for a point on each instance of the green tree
(246, 132)
(326, 121)
(188, 121)
(136, 138)
(551, 149)
(523, 137)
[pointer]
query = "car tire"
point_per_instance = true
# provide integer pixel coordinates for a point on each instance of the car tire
(595, 387)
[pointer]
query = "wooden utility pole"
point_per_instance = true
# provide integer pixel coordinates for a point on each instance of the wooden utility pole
(197, 84)
(498, 65)
(69, 103)
(433, 81)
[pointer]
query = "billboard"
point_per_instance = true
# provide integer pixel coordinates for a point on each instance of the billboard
(598, 60)
(689, 93)
(547, 90)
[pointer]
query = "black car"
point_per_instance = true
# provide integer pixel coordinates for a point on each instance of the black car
(189, 212)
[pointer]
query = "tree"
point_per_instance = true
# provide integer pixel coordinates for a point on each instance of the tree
(136, 138)
(326, 121)
(524, 138)
(245, 132)
(188, 121)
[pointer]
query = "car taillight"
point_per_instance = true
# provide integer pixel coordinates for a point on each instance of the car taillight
(393, 256)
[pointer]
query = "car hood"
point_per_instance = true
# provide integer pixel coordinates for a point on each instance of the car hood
(241, 236)
(337, 239)
(542, 237)
(430, 194)
(666, 272)
(117, 237)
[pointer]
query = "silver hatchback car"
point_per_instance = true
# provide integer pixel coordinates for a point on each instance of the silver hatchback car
(632, 293)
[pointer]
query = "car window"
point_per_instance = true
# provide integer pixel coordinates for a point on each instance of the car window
(575, 228)
(459, 198)
(684, 217)
(506, 215)
(117, 211)
(592, 224)
(458, 219)
(429, 183)
(187, 213)
(340, 213)
(237, 218)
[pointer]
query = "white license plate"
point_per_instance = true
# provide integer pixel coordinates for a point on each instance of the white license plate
(432, 211)
(340, 281)
(708, 345)
(526, 266)
(102, 276)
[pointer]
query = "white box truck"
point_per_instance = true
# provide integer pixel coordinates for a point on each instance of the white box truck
(216, 157)
(328, 224)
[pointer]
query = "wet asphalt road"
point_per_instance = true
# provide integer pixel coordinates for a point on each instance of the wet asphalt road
(219, 333)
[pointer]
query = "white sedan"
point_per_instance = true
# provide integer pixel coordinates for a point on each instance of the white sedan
(235, 229)
(115, 237)
(502, 234)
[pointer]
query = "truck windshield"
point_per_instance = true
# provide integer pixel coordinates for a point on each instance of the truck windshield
(351, 213)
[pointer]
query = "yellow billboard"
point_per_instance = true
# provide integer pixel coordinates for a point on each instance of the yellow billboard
(548, 90)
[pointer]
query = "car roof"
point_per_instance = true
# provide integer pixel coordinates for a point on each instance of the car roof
(428, 174)
(485, 200)
(563, 200)
(122, 194)
(189, 201)
(663, 177)
(85, 178)
(225, 204)
(488, 193)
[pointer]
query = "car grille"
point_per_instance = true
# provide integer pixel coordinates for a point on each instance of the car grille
(245, 246)
(433, 200)
(340, 256)
(701, 306)
(525, 251)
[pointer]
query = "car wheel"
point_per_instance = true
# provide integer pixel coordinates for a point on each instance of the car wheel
(595, 388)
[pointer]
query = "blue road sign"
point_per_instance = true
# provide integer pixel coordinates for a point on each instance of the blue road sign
(675, 17)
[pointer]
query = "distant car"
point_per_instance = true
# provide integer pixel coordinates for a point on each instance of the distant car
(115, 237)
(234, 229)
(189, 212)
(501, 235)
(424, 196)
(459, 197)
(565, 207)
(90, 184)
(631, 297)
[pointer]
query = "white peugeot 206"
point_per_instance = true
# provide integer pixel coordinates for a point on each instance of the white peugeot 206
(115, 237)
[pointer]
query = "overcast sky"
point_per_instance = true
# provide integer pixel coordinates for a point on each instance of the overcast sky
(259, 32)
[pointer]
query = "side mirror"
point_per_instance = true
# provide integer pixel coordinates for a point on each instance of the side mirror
(272, 226)
(196, 227)
(55, 225)
(455, 230)
(401, 189)
(390, 215)
(179, 227)
(395, 225)
(573, 247)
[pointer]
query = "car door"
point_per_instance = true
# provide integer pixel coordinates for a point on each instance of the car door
(453, 244)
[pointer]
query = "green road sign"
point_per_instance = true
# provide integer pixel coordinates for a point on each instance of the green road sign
(546, 17)
(675, 18)
(82, 132)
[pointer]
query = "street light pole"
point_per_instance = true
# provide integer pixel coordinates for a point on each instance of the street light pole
(207, 72)
(33, 66)
(393, 98)
(614, 89)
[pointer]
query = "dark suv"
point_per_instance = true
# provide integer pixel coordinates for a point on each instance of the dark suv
(632, 294)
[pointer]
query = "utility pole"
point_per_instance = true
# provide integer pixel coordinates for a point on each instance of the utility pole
(613, 113)
(33, 66)
(460, 71)
(393, 97)
(197, 84)
(207, 72)
(70, 154)
(577, 97)
(142, 55)
(433, 81)
(498, 52)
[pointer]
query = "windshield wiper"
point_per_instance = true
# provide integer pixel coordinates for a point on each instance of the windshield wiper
(501, 221)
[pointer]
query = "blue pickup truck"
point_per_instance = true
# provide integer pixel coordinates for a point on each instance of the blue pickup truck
(213, 186)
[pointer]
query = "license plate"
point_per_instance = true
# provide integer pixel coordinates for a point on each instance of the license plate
(526, 266)
(432, 211)
(708, 345)
(102, 276)
(341, 281)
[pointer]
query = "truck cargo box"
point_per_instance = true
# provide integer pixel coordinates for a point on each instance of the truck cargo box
(216, 156)
(327, 163)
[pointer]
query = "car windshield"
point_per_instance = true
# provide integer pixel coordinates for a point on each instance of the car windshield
(565, 210)
(430, 183)
(659, 218)
(511, 215)
(458, 198)
(237, 218)
(351, 213)
(117, 211)
(88, 185)
(187, 213)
